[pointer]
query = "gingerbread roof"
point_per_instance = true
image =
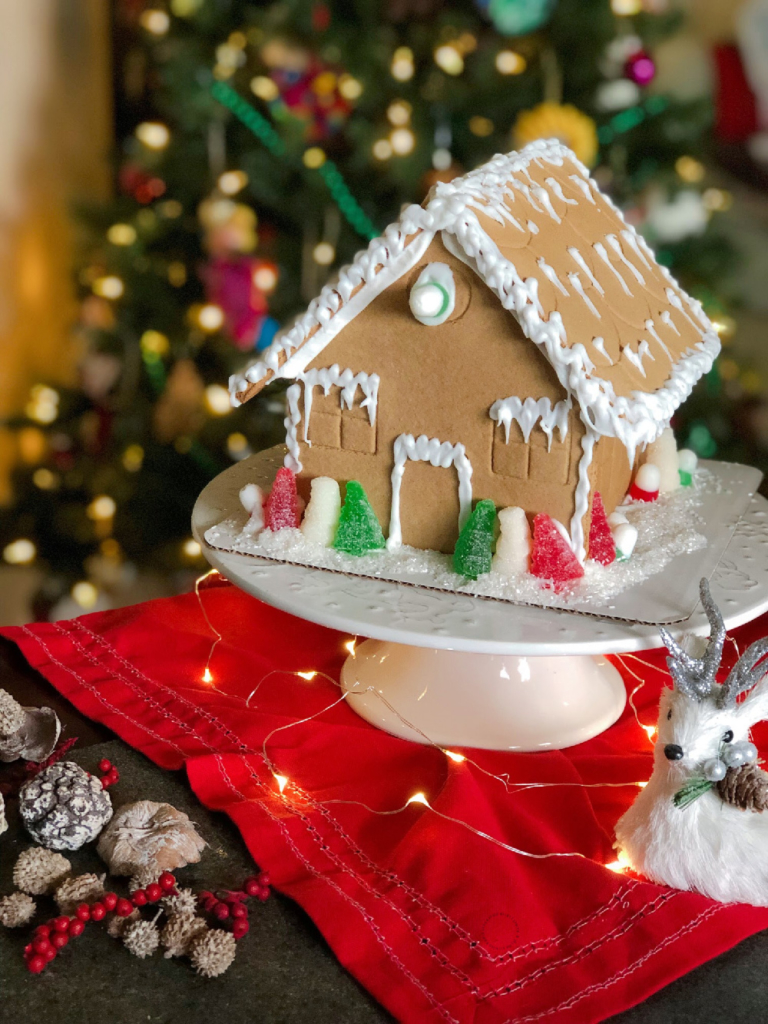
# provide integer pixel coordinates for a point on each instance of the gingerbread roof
(620, 333)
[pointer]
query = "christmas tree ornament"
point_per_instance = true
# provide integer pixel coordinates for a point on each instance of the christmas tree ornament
(616, 95)
(16, 910)
(281, 510)
(602, 547)
(559, 121)
(696, 825)
(686, 466)
(663, 454)
(229, 284)
(28, 733)
(38, 871)
(213, 952)
(86, 888)
(321, 518)
(149, 835)
(252, 500)
(179, 410)
(359, 531)
(179, 932)
(472, 556)
(141, 938)
(552, 558)
(625, 539)
(228, 227)
(517, 17)
(645, 486)
(640, 68)
(673, 220)
(63, 807)
(513, 548)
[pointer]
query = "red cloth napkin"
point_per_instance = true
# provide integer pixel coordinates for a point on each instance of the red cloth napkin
(436, 922)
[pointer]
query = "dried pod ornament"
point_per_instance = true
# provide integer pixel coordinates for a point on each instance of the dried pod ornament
(698, 824)
(141, 938)
(178, 933)
(80, 889)
(212, 952)
(38, 871)
(63, 807)
(29, 733)
(16, 910)
(148, 836)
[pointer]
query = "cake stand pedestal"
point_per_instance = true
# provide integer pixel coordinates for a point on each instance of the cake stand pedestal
(463, 671)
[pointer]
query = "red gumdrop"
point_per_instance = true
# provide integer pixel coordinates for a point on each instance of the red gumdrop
(552, 558)
(281, 510)
(602, 548)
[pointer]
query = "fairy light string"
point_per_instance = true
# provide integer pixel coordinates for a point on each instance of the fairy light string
(330, 174)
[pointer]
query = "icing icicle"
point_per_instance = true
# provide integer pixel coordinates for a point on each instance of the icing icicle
(576, 282)
(599, 345)
(348, 382)
(636, 358)
(602, 253)
(530, 412)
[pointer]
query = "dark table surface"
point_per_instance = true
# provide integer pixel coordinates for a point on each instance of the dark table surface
(284, 972)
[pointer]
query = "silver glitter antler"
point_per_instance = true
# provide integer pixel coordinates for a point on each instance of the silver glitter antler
(745, 673)
(695, 677)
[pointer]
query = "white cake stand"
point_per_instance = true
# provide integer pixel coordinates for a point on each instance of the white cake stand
(464, 671)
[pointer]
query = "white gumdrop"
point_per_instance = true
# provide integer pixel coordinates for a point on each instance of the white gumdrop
(513, 548)
(615, 518)
(687, 460)
(625, 538)
(252, 500)
(648, 477)
(663, 453)
(322, 515)
(426, 300)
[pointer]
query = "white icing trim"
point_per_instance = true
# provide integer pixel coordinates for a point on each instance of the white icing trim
(441, 275)
(551, 274)
(651, 328)
(455, 208)
(532, 228)
(599, 344)
(602, 253)
(291, 421)
(666, 317)
(557, 188)
(579, 288)
(636, 358)
(581, 497)
(583, 184)
(579, 260)
(530, 412)
(442, 454)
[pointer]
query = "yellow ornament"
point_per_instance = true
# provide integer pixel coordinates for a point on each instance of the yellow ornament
(562, 122)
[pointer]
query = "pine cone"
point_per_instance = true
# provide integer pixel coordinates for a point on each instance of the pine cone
(116, 925)
(745, 787)
(141, 938)
(184, 902)
(212, 952)
(16, 910)
(38, 871)
(80, 889)
(64, 807)
(179, 932)
(11, 714)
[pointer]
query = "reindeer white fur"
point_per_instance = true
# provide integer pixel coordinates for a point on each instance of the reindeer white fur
(710, 846)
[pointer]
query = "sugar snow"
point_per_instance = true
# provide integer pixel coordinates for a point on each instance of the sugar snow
(666, 528)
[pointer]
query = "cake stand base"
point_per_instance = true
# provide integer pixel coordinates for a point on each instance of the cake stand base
(493, 701)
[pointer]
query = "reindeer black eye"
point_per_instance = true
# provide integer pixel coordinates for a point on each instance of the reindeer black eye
(728, 736)
(669, 714)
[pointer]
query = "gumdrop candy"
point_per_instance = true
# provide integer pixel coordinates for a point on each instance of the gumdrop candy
(472, 555)
(252, 500)
(513, 548)
(321, 518)
(625, 538)
(602, 548)
(662, 453)
(552, 558)
(359, 530)
(645, 486)
(686, 462)
(281, 511)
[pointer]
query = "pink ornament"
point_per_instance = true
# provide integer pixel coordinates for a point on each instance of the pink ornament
(229, 283)
(640, 68)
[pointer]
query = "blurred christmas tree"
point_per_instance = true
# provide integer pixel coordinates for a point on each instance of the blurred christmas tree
(259, 147)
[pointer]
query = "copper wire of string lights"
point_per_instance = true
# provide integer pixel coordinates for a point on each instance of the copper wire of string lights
(207, 676)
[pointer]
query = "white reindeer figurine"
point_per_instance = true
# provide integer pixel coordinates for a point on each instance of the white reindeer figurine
(698, 824)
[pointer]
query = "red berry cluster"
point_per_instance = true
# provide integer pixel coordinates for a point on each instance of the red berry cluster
(53, 936)
(109, 774)
(231, 905)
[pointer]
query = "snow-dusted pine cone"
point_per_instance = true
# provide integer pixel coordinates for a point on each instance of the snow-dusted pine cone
(80, 889)
(141, 938)
(184, 902)
(39, 871)
(179, 932)
(11, 714)
(146, 834)
(212, 952)
(116, 925)
(64, 807)
(16, 909)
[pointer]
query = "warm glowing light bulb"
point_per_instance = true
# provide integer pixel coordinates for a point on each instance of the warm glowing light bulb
(651, 730)
(314, 157)
(191, 548)
(101, 508)
(207, 677)
(642, 785)
(402, 141)
(626, 8)
(121, 234)
(231, 182)
(264, 88)
(133, 458)
(458, 758)
(382, 149)
(154, 343)
(307, 675)
(449, 60)
(210, 317)
(399, 112)
(350, 88)
(108, 287)
(690, 169)
(265, 279)
(324, 254)
(19, 552)
(85, 594)
(621, 863)
(402, 64)
(510, 63)
(155, 22)
(217, 400)
(350, 645)
(153, 134)
(282, 782)
(417, 798)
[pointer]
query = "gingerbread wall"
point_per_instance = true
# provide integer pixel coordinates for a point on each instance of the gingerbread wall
(441, 381)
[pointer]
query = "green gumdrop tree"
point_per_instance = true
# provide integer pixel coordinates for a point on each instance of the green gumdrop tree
(359, 530)
(474, 548)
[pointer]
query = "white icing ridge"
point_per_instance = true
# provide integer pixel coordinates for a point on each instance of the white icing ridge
(532, 228)
(441, 454)
(551, 274)
(636, 357)
(602, 253)
(581, 497)
(455, 209)
(666, 318)
(579, 288)
(576, 256)
(530, 412)
(599, 344)
(557, 188)
(651, 328)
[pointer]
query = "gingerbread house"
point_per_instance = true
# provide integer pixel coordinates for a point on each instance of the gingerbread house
(513, 339)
